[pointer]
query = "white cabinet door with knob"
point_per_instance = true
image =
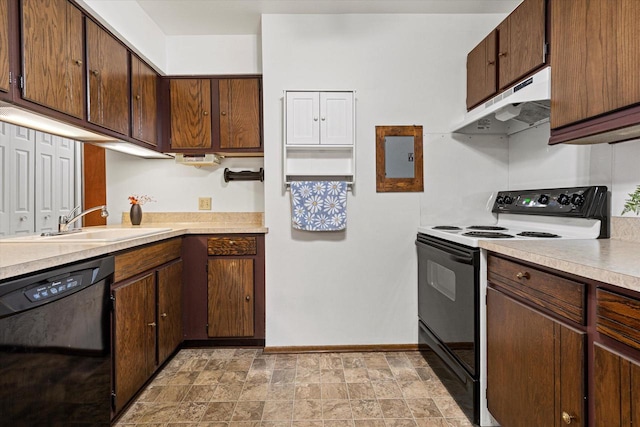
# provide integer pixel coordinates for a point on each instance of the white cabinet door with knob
(319, 118)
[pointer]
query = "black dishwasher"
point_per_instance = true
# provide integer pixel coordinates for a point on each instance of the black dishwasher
(55, 347)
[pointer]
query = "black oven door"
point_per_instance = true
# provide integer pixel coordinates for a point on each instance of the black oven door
(448, 286)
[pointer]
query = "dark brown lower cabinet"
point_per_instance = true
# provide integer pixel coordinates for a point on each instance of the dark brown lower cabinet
(616, 389)
(169, 309)
(147, 316)
(535, 366)
(224, 298)
(134, 337)
(230, 297)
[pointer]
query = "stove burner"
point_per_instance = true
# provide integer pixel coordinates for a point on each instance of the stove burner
(486, 227)
(487, 235)
(537, 234)
(446, 227)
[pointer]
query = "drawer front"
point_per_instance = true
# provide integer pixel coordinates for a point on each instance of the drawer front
(136, 261)
(562, 296)
(618, 316)
(231, 246)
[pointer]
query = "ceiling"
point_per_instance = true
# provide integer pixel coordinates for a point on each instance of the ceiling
(232, 17)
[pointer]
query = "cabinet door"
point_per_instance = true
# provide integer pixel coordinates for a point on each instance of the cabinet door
(134, 337)
(521, 38)
(595, 48)
(336, 118)
(535, 366)
(169, 310)
(4, 45)
(481, 71)
(52, 47)
(190, 113)
(108, 80)
(303, 117)
(144, 98)
(617, 388)
(230, 297)
(239, 113)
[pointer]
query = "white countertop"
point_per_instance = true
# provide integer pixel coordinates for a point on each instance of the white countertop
(21, 258)
(612, 261)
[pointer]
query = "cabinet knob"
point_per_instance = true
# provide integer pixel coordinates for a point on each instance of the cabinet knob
(491, 62)
(315, 119)
(247, 297)
(47, 217)
(95, 72)
(152, 324)
(567, 418)
(523, 275)
(323, 119)
(78, 62)
(502, 54)
(137, 96)
(23, 218)
(224, 113)
(205, 113)
(163, 315)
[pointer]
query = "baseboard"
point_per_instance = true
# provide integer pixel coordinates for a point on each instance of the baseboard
(231, 342)
(343, 348)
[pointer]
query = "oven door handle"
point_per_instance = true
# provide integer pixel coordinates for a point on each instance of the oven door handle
(454, 254)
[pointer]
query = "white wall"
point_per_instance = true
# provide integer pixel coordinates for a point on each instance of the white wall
(176, 187)
(239, 54)
(535, 164)
(358, 286)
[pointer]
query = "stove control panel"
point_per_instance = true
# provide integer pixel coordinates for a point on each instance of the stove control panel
(583, 202)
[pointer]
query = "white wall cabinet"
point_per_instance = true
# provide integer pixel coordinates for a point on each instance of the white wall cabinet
(37, 180)
(319, 141)
(320, 118)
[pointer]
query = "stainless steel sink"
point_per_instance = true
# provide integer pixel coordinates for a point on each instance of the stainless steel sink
(103, 235)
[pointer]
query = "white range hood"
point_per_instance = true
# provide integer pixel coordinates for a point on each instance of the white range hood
(520, 107)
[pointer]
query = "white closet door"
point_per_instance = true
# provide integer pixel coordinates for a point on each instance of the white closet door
(5, 186)
(66, 176)
(21, 180)
(303, 118)
(55, 180)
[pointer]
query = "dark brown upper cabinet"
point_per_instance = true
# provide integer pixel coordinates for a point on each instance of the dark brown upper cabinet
(108, 75)
(481, 71)
(239, 102)
(190, 114)
(515, 49)
(521, 42)
(595, 52)
(52, 52)
(4, 46)
(144, 102)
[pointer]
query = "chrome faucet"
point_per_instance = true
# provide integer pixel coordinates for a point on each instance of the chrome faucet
(66, 220)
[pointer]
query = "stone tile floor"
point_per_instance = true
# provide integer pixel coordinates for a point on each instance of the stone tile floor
(246, 388)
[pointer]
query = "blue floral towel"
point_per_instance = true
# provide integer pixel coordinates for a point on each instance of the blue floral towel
(319, 205)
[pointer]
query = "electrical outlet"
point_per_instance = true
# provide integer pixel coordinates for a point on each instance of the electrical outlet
(204, 203)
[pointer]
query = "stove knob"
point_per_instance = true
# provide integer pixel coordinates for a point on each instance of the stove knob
(564, 199)
(499, 200)
(508, 200)
(543, 199)
(577, 199)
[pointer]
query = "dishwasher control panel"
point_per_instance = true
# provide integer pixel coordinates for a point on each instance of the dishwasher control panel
(55, 288)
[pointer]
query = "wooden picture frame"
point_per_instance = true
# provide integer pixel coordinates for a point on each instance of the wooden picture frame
(397, 149)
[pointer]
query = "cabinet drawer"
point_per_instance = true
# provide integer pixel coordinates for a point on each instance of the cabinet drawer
(136, 261)
(231, 246)
(562, 296)
(618, 316)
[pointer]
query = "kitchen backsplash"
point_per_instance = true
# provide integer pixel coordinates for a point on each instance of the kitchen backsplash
(625, 228)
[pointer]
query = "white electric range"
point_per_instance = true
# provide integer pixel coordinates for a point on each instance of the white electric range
(452, 272)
